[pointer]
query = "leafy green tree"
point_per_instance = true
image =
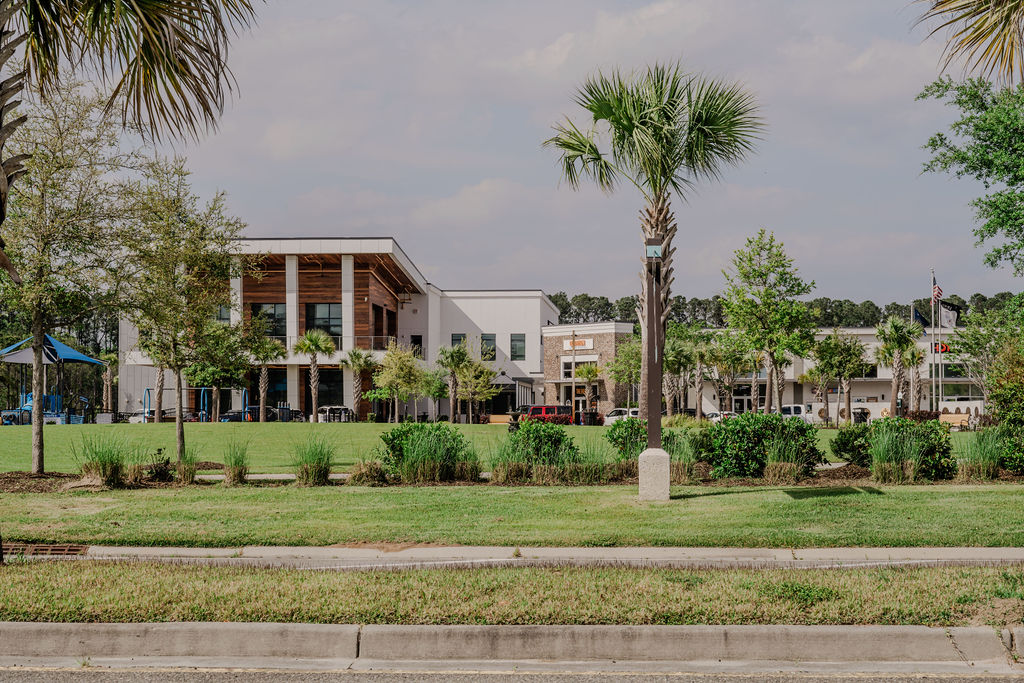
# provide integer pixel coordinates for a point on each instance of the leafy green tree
(987, 144)
(730, 359)
(166, 61)
(399, 374)
(841, 357)
(358, 362)
(980, 338)
(435, 387)
(676, 361)
(221, 362)
(761, 302)
(265, 351)
(660, 130)
(315, 343)
(476, 384)
(896, 338)
(185, 256)
(68, 221)
(453, 359)
(624, 369)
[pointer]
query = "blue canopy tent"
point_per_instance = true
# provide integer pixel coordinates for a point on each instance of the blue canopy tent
(56, 353)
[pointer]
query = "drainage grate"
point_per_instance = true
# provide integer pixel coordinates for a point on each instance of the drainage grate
(43, 549)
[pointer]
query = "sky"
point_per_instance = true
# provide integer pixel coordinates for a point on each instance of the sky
(424, 121)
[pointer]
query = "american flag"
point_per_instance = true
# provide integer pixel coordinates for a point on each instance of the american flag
(936, 290)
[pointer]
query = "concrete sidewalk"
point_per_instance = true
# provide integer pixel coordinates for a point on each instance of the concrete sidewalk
(966, 651)
(397, 556)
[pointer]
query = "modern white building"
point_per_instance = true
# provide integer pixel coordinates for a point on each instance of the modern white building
(364, 292)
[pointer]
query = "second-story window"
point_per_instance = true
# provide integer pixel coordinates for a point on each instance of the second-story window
(275, 316)
(416, 342)
(325, 317)
(488, 346)
(517, 347)
(224, 315)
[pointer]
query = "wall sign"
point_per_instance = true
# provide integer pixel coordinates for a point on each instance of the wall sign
(578, 344)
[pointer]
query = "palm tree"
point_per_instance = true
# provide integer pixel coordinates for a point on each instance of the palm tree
(588, 374)
(987, 34)
(913, 359)
(166, 59)
(897, 337)
(110, 361)
(359, 362)
(265, 351)
(454, 359)
(661, 130)
(314, 343)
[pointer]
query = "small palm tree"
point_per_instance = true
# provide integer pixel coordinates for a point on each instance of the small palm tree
(661, 131)
(988, 34)
(897, 337)
(315, 343)
(264, 352)
(914, 359)
(454, 359)
(589, 374)
(359, 362)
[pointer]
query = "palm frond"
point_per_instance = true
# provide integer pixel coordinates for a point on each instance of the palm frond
(722, 125)
(987, 34)
(581, 157)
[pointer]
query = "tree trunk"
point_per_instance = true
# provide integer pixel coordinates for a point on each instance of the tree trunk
(179, 421)
(357, 392)
(780, 385)
(897, 382)
(657, 221)
(394, 415)
(769, 389)
(215, 407)
(453, 401)
(264, 386)
(846, 398)
(314, 388)
(38, 392)
(823, 390)
(698, 388)
(157, 404)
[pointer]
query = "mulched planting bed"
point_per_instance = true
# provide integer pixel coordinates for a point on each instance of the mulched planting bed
(26, 482)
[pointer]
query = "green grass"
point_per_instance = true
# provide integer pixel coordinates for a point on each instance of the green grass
(271, 445)
(211, 515)
(123, 592)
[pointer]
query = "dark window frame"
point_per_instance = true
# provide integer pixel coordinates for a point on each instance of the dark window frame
(517, 346)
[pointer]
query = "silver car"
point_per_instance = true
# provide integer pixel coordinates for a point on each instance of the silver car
(617, 414)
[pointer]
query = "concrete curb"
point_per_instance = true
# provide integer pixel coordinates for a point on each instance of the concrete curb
(856, 645)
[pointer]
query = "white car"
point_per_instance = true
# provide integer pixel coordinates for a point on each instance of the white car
(718, 417)
(620, 414)
(799, 411)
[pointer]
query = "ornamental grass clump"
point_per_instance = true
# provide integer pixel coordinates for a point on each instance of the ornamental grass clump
(368, 473)
(892, 454)
(103, 458)
(185, 468)
(981, 454)
(428, 453)
(783, 464)
(903, 451)
(313, 460)
(542, 453)
(236, 462)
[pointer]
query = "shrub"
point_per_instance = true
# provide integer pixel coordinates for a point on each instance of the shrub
(902, 450)
(313, 460)
(851, 444)
(783, 463)
(103, 457)
(368, 473)
(681, 421)
(981, 454)
(740, 445)
(418, 452)
(536, 452)
(1012, 456)
(553, 419)
(922, 415)
(700, 441)
(185, 468)
(236, 462)
(629, 438)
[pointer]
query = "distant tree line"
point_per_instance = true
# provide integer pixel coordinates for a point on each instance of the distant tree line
(710, 312)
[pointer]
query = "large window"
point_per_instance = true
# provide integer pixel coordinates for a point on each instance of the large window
(325, 317)
(416, 342)
(224, 315)
(517, 347)
(458, 338)
(275, 317)
(488, 346)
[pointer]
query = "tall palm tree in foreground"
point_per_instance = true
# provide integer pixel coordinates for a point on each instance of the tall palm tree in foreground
(264, 352)
(166, 60)
(987, 34)
(315, 343)
(660, 130)
(359, 362)
(897, 339)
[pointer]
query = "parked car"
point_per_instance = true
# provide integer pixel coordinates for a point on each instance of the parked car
(546, 411)
(252, 414)
(798, 410)
(617, 414)
(718, 417)
(143, 416)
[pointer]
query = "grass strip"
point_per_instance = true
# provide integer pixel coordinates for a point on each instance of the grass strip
(136, 592)
(212, 515)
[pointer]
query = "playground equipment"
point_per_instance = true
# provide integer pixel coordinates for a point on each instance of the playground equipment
(55, 410)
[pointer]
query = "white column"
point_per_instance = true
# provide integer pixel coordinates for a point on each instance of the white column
(293, 386)
(348, 303)
(291, 296)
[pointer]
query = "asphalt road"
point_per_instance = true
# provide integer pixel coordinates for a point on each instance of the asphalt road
(174, 676)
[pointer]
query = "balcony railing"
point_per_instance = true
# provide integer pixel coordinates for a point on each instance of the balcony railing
(373, 343)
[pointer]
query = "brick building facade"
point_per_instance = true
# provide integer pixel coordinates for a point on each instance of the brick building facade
(595, 343)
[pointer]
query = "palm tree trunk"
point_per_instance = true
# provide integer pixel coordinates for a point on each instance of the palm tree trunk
(846, 397)
(698, 388)
(897, 382)
(264, 385)
(657, 221)
(314, 388)
(357, 392)
(158, 400)
(780, 384)
(38, 391)
(453, 405)
(179, 421)
(769, 381)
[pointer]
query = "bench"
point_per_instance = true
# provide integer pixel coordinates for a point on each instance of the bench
(956, 421)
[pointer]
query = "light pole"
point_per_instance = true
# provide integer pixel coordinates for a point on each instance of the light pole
(654, 461)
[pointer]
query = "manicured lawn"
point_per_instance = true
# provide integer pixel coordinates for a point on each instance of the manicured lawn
(270, 445)
(212, 515)
(116, 592)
